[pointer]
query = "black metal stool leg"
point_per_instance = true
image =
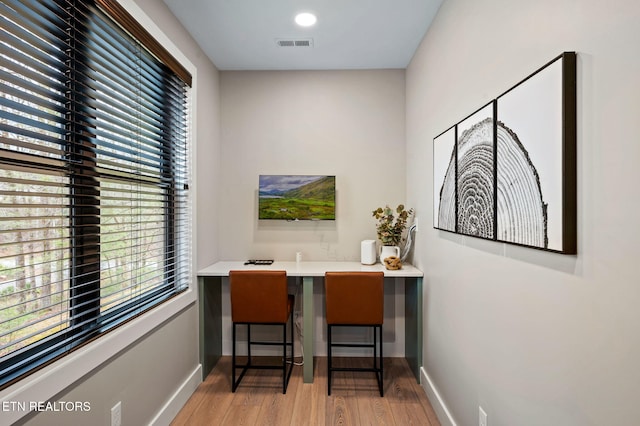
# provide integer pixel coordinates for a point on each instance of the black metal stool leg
(292, 350)
(284, 358)
(329, 361)
(233, 359)
(248, 344)
(375, 348)
(381, 381)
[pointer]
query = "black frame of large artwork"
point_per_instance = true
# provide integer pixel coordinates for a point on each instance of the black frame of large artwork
(563, 176)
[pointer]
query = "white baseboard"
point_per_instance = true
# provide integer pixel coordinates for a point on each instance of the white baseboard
(169, 410)
(445, 417)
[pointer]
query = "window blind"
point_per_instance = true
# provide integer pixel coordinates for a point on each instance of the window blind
(94, 204)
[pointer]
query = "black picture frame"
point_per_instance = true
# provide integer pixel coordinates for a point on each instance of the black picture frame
(515, 164)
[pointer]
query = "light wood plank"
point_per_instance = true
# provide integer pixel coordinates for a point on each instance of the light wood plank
(355, 399)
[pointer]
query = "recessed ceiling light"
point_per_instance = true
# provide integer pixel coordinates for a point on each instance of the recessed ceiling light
(306, 19)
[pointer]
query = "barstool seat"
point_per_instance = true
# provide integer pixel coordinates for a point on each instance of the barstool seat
(261, 297)
(355, 299)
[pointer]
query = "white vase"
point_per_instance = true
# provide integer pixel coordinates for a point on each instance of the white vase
(387, 251)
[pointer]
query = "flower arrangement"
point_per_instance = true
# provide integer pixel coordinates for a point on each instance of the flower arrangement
(390, 227)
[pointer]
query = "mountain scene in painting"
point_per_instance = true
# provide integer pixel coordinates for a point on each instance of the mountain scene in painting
(291, 197)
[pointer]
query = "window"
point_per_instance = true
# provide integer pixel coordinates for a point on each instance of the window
(94, 209)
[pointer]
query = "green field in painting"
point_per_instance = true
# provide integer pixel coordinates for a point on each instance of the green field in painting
(296, 208)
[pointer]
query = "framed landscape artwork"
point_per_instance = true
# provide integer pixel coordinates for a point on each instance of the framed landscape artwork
(296, 197)
(508, 171)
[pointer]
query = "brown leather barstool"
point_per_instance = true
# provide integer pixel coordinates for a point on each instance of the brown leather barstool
(261, 297)
(355, 299)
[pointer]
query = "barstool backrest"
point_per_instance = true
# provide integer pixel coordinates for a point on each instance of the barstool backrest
(354, 297)
(259, 296)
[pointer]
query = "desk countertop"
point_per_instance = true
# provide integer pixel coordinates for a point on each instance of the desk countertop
(307, 269)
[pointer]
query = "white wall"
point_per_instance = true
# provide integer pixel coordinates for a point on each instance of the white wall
(144, 378)
(344, 123)
(535, 338)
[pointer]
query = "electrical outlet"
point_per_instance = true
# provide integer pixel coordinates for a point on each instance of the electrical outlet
(482, 417)
(116, 414)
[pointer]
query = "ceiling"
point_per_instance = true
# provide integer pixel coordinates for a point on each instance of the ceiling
(349, 34)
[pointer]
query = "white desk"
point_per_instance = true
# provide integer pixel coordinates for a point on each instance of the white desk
(210, 302)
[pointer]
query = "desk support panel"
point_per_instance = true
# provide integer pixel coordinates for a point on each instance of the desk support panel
(413, 324)
(210, 306)
(307, 335)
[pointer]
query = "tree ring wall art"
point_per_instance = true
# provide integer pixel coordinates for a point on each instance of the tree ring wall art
(507, 172)
(475, 188)
(444, 178)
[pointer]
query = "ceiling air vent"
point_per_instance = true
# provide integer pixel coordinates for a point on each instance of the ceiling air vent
(303, 42)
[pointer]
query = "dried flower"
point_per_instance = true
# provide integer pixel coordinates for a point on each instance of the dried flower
(390, 227)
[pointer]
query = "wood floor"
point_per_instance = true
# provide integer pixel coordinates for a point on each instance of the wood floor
(354, 399)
